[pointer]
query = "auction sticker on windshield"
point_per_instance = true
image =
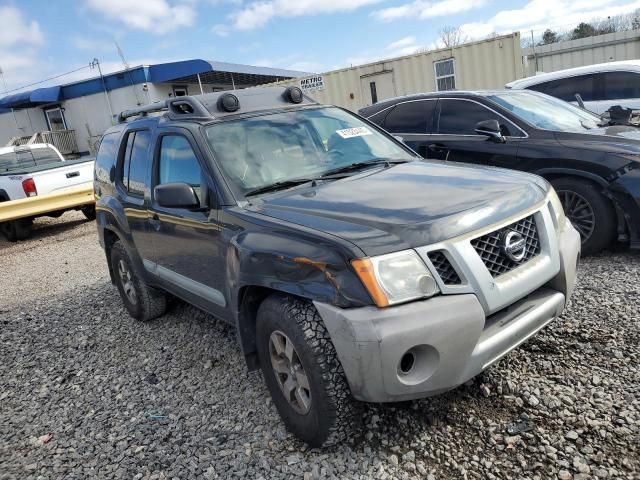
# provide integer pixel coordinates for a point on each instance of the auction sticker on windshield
(354, 132)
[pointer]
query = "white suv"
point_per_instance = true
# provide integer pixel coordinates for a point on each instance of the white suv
(601, 86)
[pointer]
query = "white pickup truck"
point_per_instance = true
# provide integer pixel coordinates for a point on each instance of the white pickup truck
(37, 170)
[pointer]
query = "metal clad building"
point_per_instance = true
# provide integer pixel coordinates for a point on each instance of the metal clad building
(610, 47)
(477, 65)
(73, 116)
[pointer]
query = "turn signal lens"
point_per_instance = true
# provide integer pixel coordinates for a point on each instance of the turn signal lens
(364, 269)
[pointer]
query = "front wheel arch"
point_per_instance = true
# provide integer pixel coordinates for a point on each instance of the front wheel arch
(603, 211)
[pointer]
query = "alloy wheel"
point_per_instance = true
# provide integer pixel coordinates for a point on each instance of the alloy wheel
(127, 282)
(579, 211)
(289, 372)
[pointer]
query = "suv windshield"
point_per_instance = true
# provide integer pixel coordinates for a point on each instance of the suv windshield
(273, 149)
(21, 158)
(546, 112)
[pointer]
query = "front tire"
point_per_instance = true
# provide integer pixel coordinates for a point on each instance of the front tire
(15, 230)
(89, 212)
(589, 211)
(303, 374)
(142, 301)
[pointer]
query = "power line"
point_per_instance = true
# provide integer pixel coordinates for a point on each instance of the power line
(47, 79)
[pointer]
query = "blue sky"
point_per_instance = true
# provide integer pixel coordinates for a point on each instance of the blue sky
(40, 39)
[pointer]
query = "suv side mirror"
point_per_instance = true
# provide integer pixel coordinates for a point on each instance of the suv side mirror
(490, 128)
(176, 195)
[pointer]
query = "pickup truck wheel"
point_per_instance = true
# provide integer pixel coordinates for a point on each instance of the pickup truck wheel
(142, 301)
(15, 230)
(89, 212)
(303, 373)
(589, 212)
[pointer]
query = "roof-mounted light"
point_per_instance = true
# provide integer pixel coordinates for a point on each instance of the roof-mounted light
(293, 95)
(228, 102)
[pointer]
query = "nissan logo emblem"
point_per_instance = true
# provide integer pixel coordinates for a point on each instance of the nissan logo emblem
(514, 246)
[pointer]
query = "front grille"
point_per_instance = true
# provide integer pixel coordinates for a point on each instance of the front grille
(444, 268)
(490, 246)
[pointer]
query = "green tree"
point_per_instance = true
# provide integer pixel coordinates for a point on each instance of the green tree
(549, 36)
(583, 30)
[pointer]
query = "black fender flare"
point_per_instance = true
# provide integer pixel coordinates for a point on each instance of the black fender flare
(110, 217)
(261, 263)
(571, 172)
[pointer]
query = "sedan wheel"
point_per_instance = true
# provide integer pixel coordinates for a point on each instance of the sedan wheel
(579, 211)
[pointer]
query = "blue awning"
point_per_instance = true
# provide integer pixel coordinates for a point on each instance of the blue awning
(165, 72)
(31, 98)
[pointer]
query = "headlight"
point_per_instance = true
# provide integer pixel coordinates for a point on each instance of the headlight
(557, 210)
(395, 278)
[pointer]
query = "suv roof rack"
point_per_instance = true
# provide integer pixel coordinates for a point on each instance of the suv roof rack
(219, 104)
(182, 107)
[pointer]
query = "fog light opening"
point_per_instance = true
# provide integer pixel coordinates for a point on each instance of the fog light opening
(407, 362)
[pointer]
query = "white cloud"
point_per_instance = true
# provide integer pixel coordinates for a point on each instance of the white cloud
(423, 9)
(19, 42)
(538, 15)
(258, 13)
(155, 16)
(92, 44)
(399, 48)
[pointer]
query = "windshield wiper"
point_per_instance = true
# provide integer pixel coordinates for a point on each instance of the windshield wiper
(279, 186)
(360, 165)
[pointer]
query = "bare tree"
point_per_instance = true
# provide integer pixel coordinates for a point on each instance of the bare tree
(452, 36)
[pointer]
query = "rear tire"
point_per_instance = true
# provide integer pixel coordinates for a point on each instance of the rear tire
(15, 230)
(311, 371)
(142, 301)
(589, 211)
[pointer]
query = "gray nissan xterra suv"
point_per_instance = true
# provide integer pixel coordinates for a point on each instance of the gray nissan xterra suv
(353, 269)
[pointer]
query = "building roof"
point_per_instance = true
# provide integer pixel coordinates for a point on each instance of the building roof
(185, 71)
(624, 66)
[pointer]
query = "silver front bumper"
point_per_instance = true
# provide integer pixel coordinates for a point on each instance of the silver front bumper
(450, 337)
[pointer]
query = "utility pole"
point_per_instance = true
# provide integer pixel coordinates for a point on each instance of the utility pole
(95, 63)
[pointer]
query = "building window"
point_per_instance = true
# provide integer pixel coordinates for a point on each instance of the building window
(445, 74)
(180, 91)
(55, 119)
(374, 92)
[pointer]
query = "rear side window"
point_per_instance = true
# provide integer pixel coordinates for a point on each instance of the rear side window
(178, 162)
(459, 117)
(620, 85)
(136, 162)
(22, 158)
(566, 88)
(411, 117)
(106, 157)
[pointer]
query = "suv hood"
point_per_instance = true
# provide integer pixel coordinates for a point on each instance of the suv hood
(407, 205)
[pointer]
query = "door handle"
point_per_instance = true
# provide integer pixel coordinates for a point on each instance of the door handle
(436, 148)
(73, 174)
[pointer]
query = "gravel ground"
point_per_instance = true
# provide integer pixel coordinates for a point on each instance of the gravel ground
(86, 392)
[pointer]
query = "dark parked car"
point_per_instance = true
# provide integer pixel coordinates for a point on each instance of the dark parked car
(594, 168)
(353, 269)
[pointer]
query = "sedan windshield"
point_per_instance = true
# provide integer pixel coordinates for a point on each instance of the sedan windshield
(545, 112)
(276, 149)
